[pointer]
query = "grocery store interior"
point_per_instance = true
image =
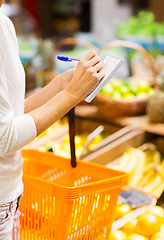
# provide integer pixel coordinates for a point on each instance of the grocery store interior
(98, 172)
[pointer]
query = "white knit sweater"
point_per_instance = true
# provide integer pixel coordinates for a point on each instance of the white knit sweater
(16, 128)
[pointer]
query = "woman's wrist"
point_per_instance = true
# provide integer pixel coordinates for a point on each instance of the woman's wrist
(72, 98)
(57, 84)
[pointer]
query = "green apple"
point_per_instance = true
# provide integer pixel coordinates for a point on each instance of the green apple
(124, 90)
(143, 86)
(128, 96)
(142, 95)
(116, 83)
(107, 89)
(133, 88)
(117, 95)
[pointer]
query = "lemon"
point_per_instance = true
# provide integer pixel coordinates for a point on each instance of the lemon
(148, 224)
(158, 211)
(137, 237)
(121, 210)
(158, 235)
(118, 235)
(130, 227)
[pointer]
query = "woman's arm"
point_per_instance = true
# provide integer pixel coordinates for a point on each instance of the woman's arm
(85, 78)
(50, 90)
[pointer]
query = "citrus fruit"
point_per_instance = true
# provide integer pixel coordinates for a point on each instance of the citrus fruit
(122, 209)
(118, 235)
(158, 238)
(136, 236)
(148, 224)
(158, 235)
(130, 227)
(158, 211)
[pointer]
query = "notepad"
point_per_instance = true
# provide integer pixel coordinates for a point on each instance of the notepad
(111, 64)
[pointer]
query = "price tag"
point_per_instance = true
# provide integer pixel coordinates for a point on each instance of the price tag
(134, 198)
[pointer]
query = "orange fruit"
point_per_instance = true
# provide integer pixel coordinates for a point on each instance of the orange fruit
(118, 235)
(121, 210)
(148, 224)
(137, 237)
(158, 238)
(130, 227)
(158, 211)
(158, 235)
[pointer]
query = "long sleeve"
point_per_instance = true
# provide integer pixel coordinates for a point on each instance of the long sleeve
(15, 132)
(16, 128)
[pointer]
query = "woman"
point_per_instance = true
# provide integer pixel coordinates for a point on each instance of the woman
(21, 121)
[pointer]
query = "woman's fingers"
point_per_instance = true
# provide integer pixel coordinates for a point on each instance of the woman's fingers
(98, 67)
(88, 73)
(93, 61)
(96, 63)
(88, 56)
(100, 75)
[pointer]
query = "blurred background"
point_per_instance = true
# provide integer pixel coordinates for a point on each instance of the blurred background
(63, 18)
(42, 24)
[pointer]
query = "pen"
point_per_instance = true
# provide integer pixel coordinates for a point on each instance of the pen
(67, 59)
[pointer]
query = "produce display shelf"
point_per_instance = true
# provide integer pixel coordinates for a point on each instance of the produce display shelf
(141, 122)
(111, 154)
(115, 149)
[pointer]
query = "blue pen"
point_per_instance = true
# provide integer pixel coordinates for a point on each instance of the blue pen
(67, 59)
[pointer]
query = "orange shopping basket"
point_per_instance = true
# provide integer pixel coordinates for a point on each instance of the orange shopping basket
(60, 202)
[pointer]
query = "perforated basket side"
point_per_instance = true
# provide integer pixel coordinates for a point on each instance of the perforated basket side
(60, 211)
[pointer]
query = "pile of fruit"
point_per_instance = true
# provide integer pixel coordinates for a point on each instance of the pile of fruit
(63, 148)
(148, 226)
(145, 168)
(127, 89)
(146, 172)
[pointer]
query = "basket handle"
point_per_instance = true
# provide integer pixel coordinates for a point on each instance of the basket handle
(74, 41)
(137, 47)
(67, 42)
(71, 120)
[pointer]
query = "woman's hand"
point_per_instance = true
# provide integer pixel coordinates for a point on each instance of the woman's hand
(65, 78)
(87, 76)
(83, 81)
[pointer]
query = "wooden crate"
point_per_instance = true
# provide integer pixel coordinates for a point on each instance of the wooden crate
(115, 149)
(89, 125)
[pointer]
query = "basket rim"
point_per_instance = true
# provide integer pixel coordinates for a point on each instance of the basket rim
(122, 100)
(71, 193)
(137, 47)
(118, 180)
